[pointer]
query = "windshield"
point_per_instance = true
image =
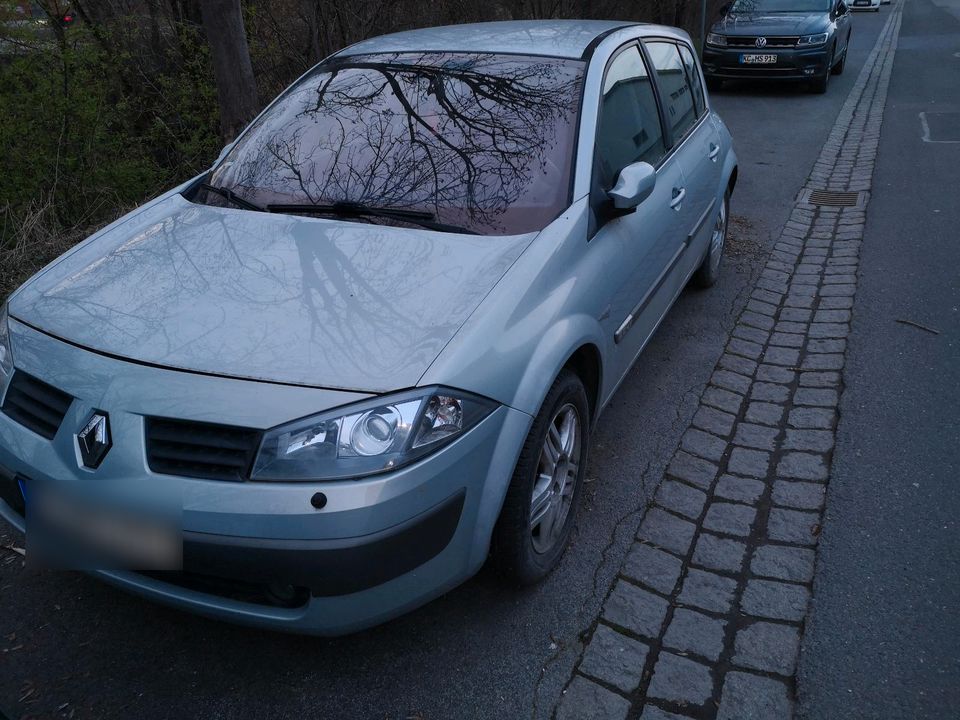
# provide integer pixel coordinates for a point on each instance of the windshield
(780, 6)
(482, 142)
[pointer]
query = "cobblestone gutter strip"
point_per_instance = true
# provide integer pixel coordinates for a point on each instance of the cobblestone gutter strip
(705, 617)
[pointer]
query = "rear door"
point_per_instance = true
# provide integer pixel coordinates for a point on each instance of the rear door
(696, 144)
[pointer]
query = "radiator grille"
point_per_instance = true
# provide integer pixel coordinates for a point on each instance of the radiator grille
(200, 450)
(36, 405)
(773, 41)
(244, 591)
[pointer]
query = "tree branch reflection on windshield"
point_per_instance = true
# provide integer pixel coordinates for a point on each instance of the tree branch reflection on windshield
(483, 142)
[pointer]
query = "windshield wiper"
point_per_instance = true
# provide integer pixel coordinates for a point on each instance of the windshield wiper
(347, 209)
(231, 196)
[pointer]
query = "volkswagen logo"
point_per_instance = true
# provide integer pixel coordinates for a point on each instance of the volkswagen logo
(761, 42)
(94, 440)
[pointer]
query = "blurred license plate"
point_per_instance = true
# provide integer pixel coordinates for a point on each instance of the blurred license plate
(758, 59)
(68, 531)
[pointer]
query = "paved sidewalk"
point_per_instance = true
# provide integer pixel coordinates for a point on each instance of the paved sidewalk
(882, 639)
(705, 617)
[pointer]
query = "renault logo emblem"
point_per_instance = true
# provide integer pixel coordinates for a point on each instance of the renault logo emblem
(94, 440)
(761, 42)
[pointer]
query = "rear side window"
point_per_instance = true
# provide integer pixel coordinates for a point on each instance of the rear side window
(675, 90)
(693, 76)
(629, 129)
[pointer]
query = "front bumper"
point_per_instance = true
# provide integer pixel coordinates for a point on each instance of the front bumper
(792, 63)
(380, 546)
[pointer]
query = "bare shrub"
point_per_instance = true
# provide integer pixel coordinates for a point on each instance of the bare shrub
(36, 237)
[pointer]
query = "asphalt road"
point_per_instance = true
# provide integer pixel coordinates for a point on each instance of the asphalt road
(884, 634)
(69, 644)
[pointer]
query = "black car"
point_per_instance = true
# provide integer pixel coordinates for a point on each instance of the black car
(778, 39)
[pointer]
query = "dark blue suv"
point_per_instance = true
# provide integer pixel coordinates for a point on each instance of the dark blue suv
(778, 40)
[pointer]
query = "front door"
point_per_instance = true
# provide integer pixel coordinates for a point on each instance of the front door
(629, 130)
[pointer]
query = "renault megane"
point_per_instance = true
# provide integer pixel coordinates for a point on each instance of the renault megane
(319, 384)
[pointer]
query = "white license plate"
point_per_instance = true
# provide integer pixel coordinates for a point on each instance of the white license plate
(758, 59)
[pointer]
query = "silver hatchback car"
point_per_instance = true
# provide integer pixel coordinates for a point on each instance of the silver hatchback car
(367, 348)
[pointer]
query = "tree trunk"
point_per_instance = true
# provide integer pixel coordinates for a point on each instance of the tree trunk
(236, 88)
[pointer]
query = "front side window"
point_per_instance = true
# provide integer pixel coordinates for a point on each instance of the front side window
(629, 130)
(482, 142)
(674, 89)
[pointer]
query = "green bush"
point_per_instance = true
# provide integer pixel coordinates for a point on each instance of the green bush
(85, 131)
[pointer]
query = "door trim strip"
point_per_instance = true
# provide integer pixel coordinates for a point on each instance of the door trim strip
(701, 221)
(648, 296)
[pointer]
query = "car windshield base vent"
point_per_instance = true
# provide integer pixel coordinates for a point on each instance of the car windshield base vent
(35, 405)
(200, 450)
(833, 198)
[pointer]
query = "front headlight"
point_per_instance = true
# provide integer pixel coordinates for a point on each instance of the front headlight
(818, 39)
(714, 39)
(370, 437)
(6, 354)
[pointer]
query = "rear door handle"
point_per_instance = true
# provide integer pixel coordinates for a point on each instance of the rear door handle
(678, 195)
(714, 151)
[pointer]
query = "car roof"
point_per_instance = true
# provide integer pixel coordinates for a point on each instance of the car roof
(557, 38)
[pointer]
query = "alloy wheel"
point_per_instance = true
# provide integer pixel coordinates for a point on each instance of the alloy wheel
(556, 480)
(718, 238)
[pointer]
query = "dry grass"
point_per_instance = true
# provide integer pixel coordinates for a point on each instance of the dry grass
(36, 239)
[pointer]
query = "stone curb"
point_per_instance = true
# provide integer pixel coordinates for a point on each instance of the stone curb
(705, 617)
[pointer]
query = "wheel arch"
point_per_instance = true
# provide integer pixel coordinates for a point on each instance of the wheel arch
(586, 363)
(732, 180)
(576, 342)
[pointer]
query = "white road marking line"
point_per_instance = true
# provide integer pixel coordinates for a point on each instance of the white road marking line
(925, 134)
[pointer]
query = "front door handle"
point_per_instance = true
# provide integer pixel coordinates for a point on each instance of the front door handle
(714, 151)
(678, 195)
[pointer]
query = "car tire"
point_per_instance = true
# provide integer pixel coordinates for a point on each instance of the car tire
(838, 68)
(709, 271)
(820, 84)
(527, 543)
(714, 84)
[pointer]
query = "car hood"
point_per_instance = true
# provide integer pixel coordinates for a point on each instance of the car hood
(772, 24)
(280, 298)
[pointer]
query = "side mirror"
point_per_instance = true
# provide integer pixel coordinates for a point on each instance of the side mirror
(841, 8)
(634, 185)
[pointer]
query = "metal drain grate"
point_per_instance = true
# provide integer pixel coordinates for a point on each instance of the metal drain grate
(833, 198)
